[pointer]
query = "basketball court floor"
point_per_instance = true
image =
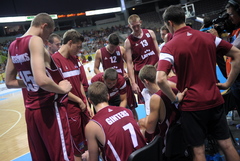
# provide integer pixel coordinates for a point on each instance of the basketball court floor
(13, 134)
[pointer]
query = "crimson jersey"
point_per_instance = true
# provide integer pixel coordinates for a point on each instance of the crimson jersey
(49, 115)
(35, 96)
(122, 134)
(113, 60)
(195, 67)
(143, 50)
(172, 115)
(119, 88)
(70, 68)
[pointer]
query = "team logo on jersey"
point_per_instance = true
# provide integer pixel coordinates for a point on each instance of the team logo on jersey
(148, 35)
(118, 53)
(110, 110)
(136, 44)
(105, 58)
(189, 34)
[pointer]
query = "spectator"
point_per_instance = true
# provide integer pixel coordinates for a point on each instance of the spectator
(233, 95)
(54, 43)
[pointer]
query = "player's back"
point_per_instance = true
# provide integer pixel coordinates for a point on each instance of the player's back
(35, 96)
(122, 133)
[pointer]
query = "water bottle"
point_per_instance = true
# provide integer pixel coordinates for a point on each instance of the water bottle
(229, 118)
(237, 145)
(238, 126)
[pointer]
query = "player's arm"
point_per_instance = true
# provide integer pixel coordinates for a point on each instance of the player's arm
(154, 40)
(123, 98)
(234, 53)
(129, 62)
(36, 48)
(83, 77)
(87, 104)
(74, 98)
(11, 74)
(122, 90)
(125, 75)
(163, 83)
(153, 117)
(97, 61)
(91, 131)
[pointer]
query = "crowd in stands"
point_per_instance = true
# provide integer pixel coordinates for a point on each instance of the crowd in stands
(141, 54)
(94, 39)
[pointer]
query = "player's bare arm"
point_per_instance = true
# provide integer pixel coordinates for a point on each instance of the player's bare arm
(87, 105)
(234, 53)
(153, 117)
(97, 62)
(123, 98)
(93, 134)
(125, 75)
(38, 64)
(11, 80)
(166, 88)
(129, 62)
(164, 85)
(154, 40)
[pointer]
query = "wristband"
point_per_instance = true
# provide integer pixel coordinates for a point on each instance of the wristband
(176, 101)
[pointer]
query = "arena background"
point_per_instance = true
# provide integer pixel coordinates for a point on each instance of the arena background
(95, 29)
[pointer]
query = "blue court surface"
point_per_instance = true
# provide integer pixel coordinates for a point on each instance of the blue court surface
(141, 114)
(25, 157)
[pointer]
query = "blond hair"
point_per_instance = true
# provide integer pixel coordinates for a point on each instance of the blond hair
(133, 18)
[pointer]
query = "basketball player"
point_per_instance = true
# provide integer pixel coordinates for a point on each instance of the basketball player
(112, 56)
(116, 86)
(46, 117)
(54, 43)
(141, 49)
(163, 115)
(113, 129)
(78, 109)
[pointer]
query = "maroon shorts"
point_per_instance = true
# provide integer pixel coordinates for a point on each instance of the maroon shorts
(77, 125)
(131, 99)
(49, 134)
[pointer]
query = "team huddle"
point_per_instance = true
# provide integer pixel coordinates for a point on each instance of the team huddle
(172, 82)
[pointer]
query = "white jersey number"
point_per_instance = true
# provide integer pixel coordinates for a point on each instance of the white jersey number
(28, 80)
(132, 132)
(113, 59)
(129, 127)
(144, 43)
